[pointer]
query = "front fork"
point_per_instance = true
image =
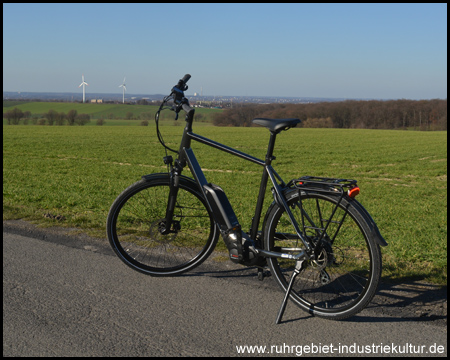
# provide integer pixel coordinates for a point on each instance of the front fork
(168, 224)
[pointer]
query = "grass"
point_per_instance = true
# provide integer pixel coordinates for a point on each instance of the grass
(77, 172)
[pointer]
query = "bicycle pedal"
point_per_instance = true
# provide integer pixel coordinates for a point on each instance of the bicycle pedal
(235, 257)
(262, 274)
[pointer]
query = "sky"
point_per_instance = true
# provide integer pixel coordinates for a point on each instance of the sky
(359, 51)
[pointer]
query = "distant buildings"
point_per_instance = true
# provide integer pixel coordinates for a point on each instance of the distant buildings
(196, 99)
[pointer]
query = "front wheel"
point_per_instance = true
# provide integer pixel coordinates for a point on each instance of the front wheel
(344, 277)
(137, 216)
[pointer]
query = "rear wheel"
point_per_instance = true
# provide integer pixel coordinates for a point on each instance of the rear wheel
(345, 275)
(136, 219)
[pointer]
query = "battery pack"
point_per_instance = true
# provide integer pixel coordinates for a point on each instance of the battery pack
(240, 247)
(221, 207)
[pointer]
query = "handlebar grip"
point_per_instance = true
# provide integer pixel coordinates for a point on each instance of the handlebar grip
(186, 78)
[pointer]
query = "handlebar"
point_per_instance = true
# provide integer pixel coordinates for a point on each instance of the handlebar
(182, 83)
(180, 103)
(178, 96)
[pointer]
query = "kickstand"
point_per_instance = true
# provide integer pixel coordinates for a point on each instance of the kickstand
(298, 267)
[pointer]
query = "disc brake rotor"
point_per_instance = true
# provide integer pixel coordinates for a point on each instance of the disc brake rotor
(155, 233)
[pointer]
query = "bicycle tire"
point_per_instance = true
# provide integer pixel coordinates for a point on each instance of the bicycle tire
(347, 272)
(133, 223)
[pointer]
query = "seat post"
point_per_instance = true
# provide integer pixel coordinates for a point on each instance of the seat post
(269, 155)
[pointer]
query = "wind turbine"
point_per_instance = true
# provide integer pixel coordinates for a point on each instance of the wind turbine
(124, 89)
(83, 83)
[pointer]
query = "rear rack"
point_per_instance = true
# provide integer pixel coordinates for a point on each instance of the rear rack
(322, 184)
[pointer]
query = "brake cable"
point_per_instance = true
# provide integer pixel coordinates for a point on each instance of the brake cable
(158, 133)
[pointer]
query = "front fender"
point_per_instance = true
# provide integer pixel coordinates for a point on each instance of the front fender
(183, 178)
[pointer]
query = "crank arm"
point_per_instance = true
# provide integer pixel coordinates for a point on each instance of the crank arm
(274, 254)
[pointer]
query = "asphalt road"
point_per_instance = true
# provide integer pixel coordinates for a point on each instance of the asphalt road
(70, 296)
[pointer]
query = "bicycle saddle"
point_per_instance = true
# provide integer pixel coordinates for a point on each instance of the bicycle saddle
(276, 125)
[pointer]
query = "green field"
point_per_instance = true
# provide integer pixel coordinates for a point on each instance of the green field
(96, 111)
(77, 172)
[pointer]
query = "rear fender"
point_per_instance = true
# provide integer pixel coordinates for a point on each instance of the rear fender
(374, 231)
(373, 226)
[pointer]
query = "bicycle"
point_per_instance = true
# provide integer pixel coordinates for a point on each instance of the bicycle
(320, 243)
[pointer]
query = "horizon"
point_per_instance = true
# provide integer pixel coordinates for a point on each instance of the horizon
(349, 51)
(192, 96)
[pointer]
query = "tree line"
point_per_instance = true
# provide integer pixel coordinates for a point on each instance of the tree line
(373, 114)
(52, 117)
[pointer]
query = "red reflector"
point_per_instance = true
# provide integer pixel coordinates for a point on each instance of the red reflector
(353, 192)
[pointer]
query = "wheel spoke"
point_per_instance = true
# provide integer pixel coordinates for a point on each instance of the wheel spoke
(336, 283)
(137, 215)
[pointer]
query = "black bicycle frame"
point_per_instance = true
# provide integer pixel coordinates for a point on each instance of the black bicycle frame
(187, 157)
